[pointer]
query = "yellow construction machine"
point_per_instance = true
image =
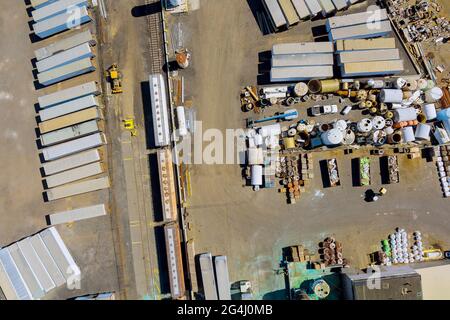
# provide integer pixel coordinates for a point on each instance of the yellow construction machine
(114, 76)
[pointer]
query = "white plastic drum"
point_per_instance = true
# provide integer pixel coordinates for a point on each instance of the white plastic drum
(271, 130)
(255, 156)
(429, 110)
(332, 137)
(406, 114)
(408, 134)
(341, 125)
(378, 122)
(433, 95)
(422, 84)
(391, 95)
(365, 125)
(423, 131)
(256, 175)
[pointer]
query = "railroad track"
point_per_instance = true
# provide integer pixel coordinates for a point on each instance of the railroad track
(155, 38)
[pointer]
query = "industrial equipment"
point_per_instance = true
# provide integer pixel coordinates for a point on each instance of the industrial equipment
(114, 76)
(129, 125)
(287, 115)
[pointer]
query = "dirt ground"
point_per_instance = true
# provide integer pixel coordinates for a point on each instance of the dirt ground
(251, 228)
(22, 205)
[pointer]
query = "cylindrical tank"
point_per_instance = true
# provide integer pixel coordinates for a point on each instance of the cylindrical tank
(256, 175)
(378, 122)
(301, 89)
(429, 110)
(349, 137)
(391, 95)
(433, 95)
(258, 140)
(181, 116)
(329, 86)
(422, 84)
(395, 138)
(332, 137)
(376, 84)
(423, 131)
(289, 143)
(271, 130)
(411, 85)
(341, 125)
(365, 125)
(255, 156)
(408, 134)
(400, 83)
(314, 86)
(405, 114)
(389, 130)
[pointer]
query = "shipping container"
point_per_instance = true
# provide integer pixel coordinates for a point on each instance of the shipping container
(208, 278)
(327, 7)
(293, 74)
(369, 55)
(67, 163)
(60, 253)
(275, 14)
(36, 290)
(73, 175)
(56, 8)
(74, 146)
(77, 214)
(36, 4)
(314, 7)
(77, 188)
(7, 287)
(69, 94)
(80, 52)
(365, 44)
(301, 8)
(61, 22)
(222, 277)
(292, 60)
(302, 48)
(159, 110)
(289, 12)
(361, 31)
(174, 260)
(167, 185)
(64, 44)
(68, 108)
(15, 279)
(69, 133)
(36, 265)
(360, 69)
(366, 17)
(65, 72)
(70, 120)
(47, 260)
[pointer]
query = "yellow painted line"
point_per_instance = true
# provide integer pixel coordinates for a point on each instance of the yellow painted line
(128, 159)
(136, 243)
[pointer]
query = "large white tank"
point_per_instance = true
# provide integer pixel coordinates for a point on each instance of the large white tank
(181, 116)
(365, 125)
(255, 156)
(256, 175)
(433, 95)
(378, 122)
(405, 114)
(271, 130)
(408, 134)
(391, 95)
(423, 131)
(332, 137)
(429, 110)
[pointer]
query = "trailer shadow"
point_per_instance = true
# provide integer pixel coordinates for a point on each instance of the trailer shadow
(146, 9)
(260, 16)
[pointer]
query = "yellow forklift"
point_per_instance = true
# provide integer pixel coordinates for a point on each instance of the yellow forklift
(114, 76)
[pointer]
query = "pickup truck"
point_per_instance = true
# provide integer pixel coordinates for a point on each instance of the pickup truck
(321, 110)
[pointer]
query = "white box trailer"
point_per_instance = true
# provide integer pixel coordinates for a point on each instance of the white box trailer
(320, 59)
(222, 278)
(64, 44)
(77, 214)
(327, 7)
(294, 74)
(47, 260)
(314, 7)
(14, 278)
(36, 4)
(6, 285)
(69, 94)
(73, 175)
(301, 8)
(36, 265)
(368, 55)
(61, 22)
(372, 68)
(65, 72)
(302, 48)
(160, 110)
(70, 120)
(60, 254)
(74, 146)
(366, 17)
(70, 162)
(289, 12)
(275, 14)
(361, 31)
(57, 8)
(208, 278)
(79, 52)
(69, 133)
(37, 292)
(68, 107)
(77, 188)
(340, 4)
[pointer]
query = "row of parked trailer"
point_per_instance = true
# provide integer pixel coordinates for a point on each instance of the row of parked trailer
(284, 14)
(36, 265)
(215, 277)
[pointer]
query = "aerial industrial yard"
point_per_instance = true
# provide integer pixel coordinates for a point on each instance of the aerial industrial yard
(225, 150)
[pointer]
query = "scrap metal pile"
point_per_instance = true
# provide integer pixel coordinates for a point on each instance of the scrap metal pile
(393, 169)
(331, 252)
(295, 172)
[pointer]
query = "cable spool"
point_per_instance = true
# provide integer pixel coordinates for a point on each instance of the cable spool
(301, 89)
(389, 115)
(273, 101)
(292, 132)
(290, 101)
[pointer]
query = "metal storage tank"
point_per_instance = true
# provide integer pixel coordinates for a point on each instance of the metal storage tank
(408, 134)
(181, 117)
(256, 175)
(332, 137)
(391, 95)
(405, 114)
(423, 131)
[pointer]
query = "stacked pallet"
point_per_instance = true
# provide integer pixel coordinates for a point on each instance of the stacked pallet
(36, 265)
(52, 17)
(368, 24)
(368, 57)
(293, 62)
